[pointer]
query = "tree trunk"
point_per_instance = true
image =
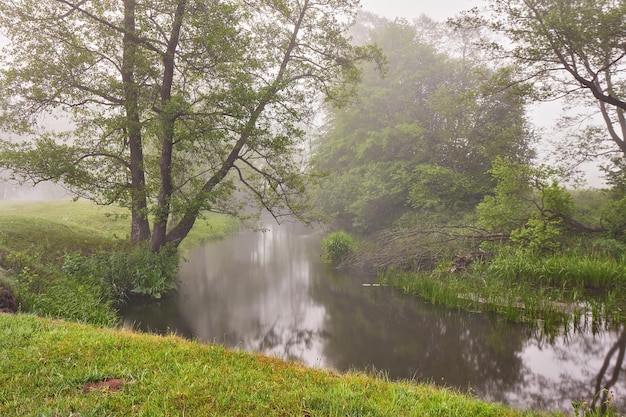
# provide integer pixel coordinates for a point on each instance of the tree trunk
(140, 226)
(184, 226)
(168, 119)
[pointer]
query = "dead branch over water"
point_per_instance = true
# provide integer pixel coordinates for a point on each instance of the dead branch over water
(421, 249)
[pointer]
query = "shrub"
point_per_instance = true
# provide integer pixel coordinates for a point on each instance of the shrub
(338, 246)
(608, 248)
(124, 271)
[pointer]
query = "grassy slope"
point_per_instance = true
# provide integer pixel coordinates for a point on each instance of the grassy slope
(36, 237)
(44, 365)
(90, 221)
(40, 234)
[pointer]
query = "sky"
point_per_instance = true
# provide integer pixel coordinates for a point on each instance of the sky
(436, 9)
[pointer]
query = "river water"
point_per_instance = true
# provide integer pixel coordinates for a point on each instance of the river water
(270, 292)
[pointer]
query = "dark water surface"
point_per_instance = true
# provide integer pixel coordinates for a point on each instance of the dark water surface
(269, 292)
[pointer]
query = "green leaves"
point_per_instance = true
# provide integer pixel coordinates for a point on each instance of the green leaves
(436, 188)
(419, 138)
(529, 203)
(572, 49)
(168, 119)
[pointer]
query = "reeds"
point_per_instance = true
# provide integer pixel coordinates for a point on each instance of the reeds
(569, 269)
(567, 291)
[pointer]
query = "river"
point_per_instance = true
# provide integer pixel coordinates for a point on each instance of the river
(270, 292)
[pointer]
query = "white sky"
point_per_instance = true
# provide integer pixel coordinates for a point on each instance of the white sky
(436, 9)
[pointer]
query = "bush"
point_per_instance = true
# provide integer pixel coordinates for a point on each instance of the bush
(124, 271)
(338, 246)
(607, 247)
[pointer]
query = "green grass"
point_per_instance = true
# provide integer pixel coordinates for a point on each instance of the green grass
(566, 269)
(45, 364)
(97, 223)
(567, 289)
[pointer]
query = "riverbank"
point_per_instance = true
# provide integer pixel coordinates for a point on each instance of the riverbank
(51, 363)
(73, 260)
(561, 292)
(53, 367)
(574, 287)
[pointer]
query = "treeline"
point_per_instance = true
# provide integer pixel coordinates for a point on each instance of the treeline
(439, 139)
(433, 182)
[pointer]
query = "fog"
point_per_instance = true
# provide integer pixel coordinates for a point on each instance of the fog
(410, 9)
(544, 116)
(47, 190)
(30, 192)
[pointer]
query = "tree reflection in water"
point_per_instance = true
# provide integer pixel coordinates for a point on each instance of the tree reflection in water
(269, 292)
(603, 386)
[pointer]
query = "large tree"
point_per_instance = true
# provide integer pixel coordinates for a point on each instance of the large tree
(175, 106)
(573, 48)
(421, 138)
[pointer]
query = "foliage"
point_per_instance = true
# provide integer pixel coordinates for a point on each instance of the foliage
(570, 269)
(509, 207)
(614, 218)
(537, 235)
(589, 204)
(528, 203)
(615, 174)
(436, 188)
(606, 407)
(127, 270)
(70, 298)
(338, 246)
(604, 247)
(420, 138)
(567, 48)
(173, 108)
(49, 362)
(559, 289)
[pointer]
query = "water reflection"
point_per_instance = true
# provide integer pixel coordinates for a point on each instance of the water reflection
(269, 292)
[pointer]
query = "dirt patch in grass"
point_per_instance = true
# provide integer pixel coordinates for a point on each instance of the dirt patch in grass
(106, 385)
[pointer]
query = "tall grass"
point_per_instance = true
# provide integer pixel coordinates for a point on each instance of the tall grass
(569, 269)
(559, 290)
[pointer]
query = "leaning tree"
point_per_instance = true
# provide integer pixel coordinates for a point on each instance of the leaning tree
(567, 48)
(174, 107)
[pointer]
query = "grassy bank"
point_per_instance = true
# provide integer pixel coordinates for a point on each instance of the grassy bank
(73, 260)
(575, 287)
(90, 221)
(55, 368)
(569, 289)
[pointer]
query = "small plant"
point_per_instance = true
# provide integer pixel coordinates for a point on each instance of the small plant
(338, 246)
(606, 407)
